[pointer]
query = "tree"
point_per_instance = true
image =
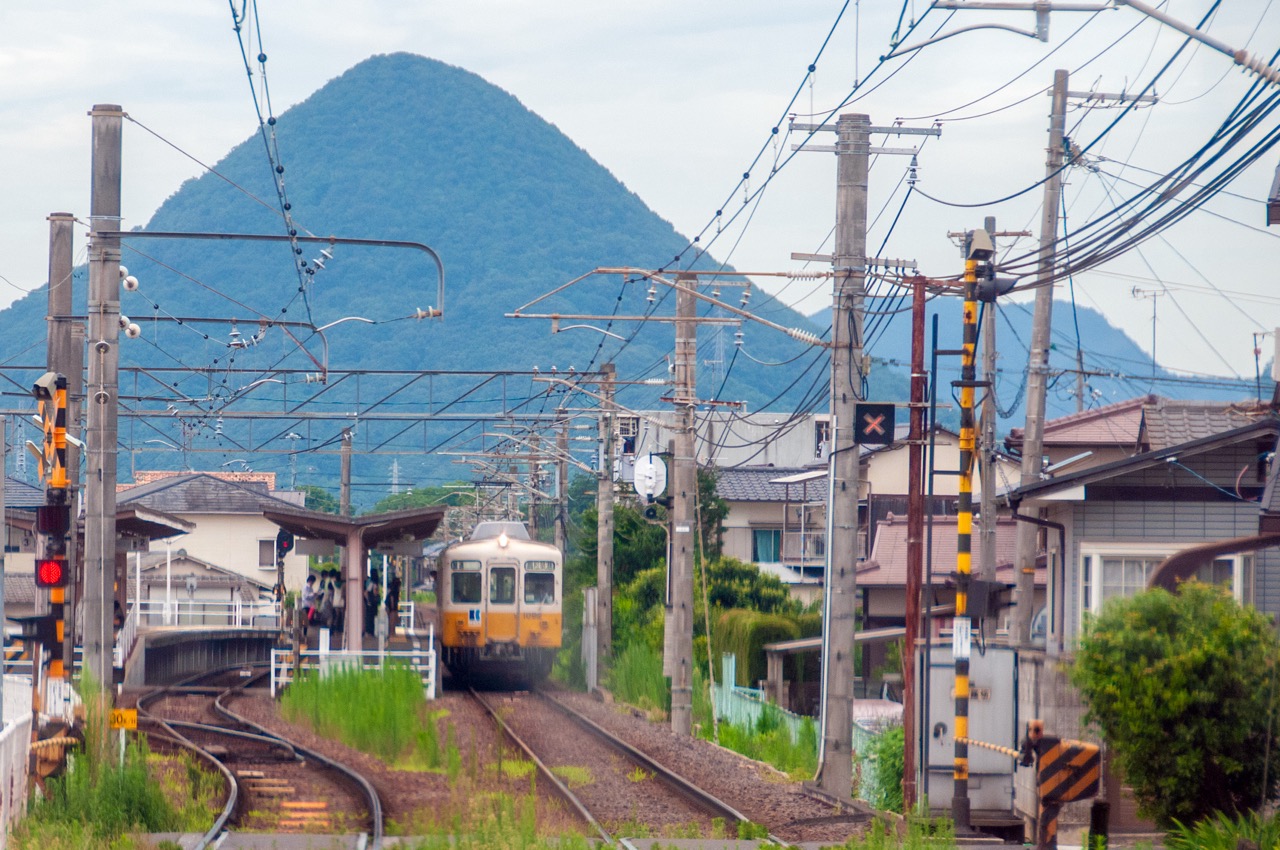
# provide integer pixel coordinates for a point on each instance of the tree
(454, 494)
(1183, 688)
(712, 510)
(319, 499)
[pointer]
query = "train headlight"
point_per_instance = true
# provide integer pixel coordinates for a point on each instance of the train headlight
(503, 540)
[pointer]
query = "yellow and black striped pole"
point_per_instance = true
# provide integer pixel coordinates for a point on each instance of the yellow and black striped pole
(964, 532)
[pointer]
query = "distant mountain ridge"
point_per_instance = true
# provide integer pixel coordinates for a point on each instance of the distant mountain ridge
(1116, 368)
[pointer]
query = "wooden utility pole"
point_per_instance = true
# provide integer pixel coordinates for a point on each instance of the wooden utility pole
(684, 492)
(604, 521)
(65, 356)
(915, 546)
(102, 394)
(1038, 367)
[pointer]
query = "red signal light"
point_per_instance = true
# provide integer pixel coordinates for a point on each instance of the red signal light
(51, 572)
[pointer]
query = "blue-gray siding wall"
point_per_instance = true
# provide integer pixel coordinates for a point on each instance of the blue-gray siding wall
(1160, 522)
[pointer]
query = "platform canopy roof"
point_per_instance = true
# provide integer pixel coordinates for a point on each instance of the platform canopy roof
(373, 529)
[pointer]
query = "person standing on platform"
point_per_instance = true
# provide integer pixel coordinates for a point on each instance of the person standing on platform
(372, 598)
(393, 602)
(308, 603)
(339, 604)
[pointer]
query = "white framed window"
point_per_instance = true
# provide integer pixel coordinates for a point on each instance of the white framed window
(266, 554)
(1109, 570)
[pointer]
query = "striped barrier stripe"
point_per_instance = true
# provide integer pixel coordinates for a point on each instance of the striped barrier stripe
(1069, 771)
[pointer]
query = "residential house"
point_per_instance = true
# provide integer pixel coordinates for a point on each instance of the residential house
(777, 515)
(230, 529)
(1196, 490)
(1142, 424)
(177, 588)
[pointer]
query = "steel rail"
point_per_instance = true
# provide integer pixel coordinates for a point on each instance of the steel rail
(233, 785)
(560, 788)
(714, 805)
(365, 786)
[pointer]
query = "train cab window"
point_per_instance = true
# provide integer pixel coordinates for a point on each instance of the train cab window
(502, 585)
(539, 588)
(465, 581)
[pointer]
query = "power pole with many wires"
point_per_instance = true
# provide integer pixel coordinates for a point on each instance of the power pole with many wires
(103, 388)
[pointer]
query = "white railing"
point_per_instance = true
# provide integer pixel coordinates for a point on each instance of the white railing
(804, 546)
(15, 744)
(235, 614)
(326, 660)
(408, 617)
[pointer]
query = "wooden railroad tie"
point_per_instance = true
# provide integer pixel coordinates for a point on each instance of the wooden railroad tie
(304, 814)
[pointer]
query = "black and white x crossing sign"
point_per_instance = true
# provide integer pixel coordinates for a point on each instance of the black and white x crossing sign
(873, 424)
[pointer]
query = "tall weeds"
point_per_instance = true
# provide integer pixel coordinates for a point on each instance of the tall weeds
(381, 712)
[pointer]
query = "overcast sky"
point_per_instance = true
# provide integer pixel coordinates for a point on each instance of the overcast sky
(676, 99)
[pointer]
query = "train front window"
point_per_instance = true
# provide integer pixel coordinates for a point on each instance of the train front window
(502, 585)
(539, 588)
(465, 579)
(466, 587)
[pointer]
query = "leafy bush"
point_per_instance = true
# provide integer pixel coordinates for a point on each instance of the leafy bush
(1183, 688)
(744, 633)
(884, 790)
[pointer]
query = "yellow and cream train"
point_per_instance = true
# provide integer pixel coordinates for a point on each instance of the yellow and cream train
(499, 596)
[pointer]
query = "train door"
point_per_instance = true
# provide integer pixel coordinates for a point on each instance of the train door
(502, 608)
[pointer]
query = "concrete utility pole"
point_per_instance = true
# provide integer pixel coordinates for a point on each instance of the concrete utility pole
(65, 355)
(604, 521)
(835, 769)
(684, 492)
(104, 364)
(344, 487)
(986, 456)
(1038, 368)
(562, 486)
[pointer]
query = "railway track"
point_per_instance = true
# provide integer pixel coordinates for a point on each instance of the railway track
(273, 784)
(614, 788)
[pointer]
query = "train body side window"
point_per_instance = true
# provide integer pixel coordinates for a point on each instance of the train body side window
(502, 585)
(465, 580)
(539, 588)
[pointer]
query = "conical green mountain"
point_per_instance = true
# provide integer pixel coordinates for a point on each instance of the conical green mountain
(402, 147)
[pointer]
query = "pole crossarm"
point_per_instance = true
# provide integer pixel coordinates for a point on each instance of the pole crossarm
(434, 312)
(800, 334)
(1254, 64)
(605, 402)
(546, 452)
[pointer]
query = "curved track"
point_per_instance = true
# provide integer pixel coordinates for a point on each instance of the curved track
(276, 784)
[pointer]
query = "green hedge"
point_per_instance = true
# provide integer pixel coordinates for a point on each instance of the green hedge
(744, 633)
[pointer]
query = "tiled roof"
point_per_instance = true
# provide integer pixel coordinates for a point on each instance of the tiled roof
(1170, 422)
(200, 493)
(1114, 424)
(887, 566)
(755, 484)
(20, 494)
(19, 589)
